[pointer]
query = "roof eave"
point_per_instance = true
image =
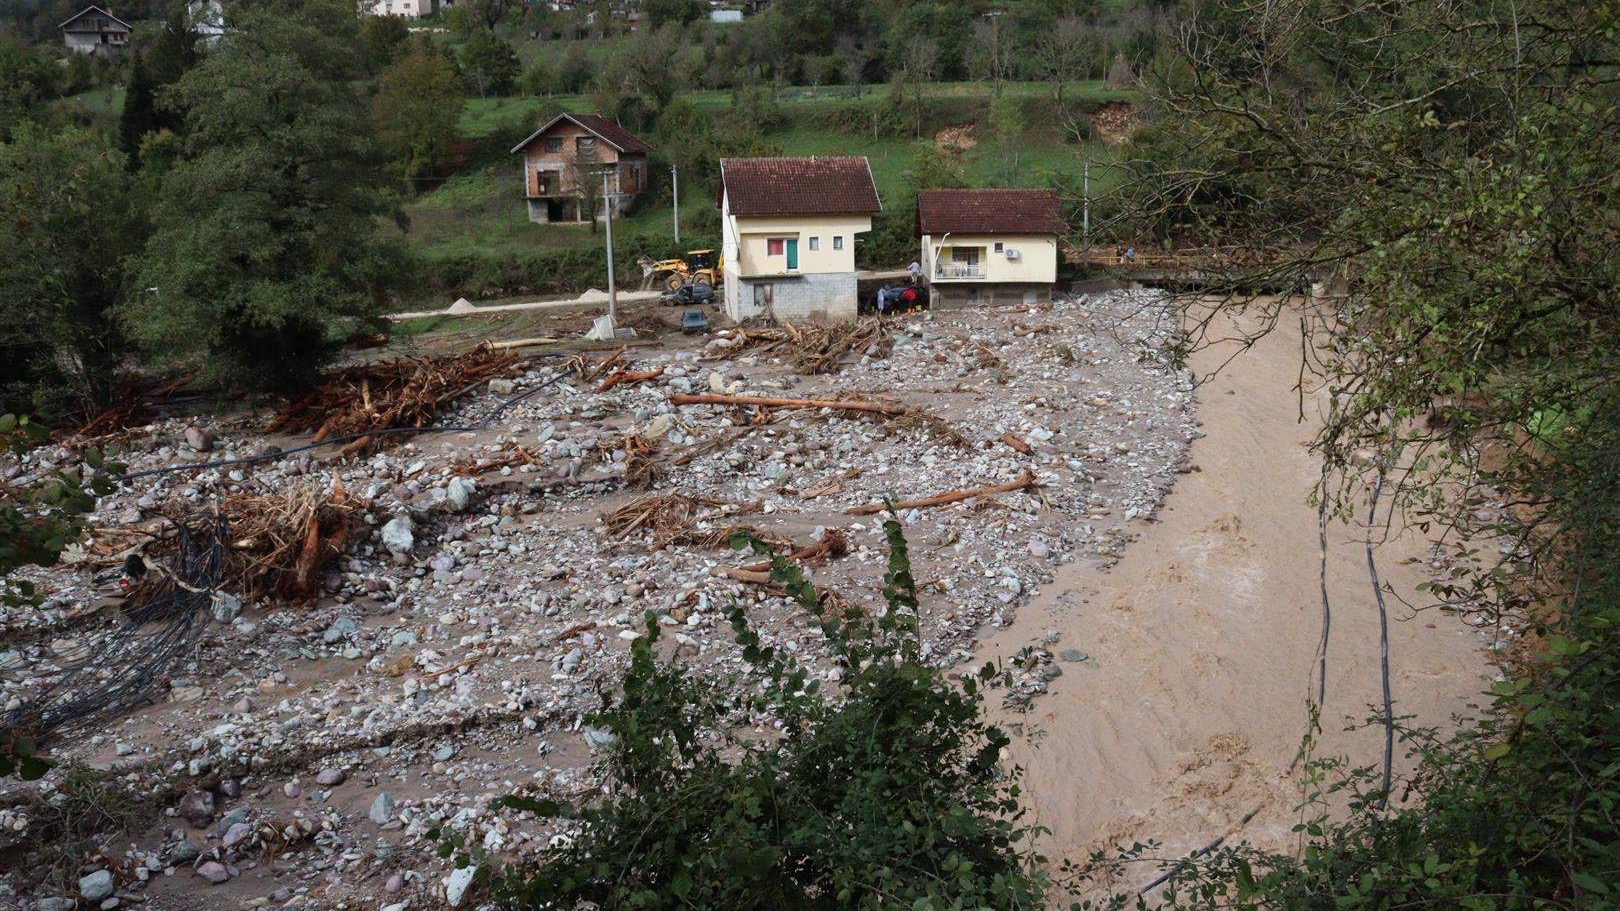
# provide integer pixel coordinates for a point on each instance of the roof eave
(553, 122)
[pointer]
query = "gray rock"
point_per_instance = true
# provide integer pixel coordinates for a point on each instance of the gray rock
(331, 778)
(502, 387)
(459, 493)
(1073, 654)
(230, 787)
(236, 834)
(234, 817)
(200, 439)
(341, 628)
(214, 872)
(658, 427)
(55, 903)
(197, 808)
(443, 752)
(225, 606)
(382, 809)
(96, 886)
(456, 884)
(397, 535)
(183, 852)
(394, 884)
(291, 789)
(1038, 548)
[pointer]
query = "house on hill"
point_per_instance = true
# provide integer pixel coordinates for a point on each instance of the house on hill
(95, 31)
(788, 227)
(989, 246)
(572, 148)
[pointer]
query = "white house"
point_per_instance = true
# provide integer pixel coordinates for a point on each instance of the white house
(95, 31)
(410, 9)
(989, 246)
(788, 228)
(207, 20)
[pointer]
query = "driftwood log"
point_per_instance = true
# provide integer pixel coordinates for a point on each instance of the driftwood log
(628, 376)
(1024, 481)
(762, 401)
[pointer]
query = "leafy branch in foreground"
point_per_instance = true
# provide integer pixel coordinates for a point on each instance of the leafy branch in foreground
(885, 793)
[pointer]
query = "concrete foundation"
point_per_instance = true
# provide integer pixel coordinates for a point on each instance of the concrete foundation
(947, 295)
(828, 297)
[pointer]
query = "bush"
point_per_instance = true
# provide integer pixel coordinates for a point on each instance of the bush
(886, 794)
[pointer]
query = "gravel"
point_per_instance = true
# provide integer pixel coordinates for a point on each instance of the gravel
(469, 630)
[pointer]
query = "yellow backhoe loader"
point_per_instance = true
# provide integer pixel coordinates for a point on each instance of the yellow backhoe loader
(703, 267)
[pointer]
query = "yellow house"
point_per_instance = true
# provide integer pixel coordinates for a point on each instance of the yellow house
(989, 246)
(788, 227)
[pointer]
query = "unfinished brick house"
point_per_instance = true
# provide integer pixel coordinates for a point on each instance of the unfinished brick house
(95, 31)
(570, 148)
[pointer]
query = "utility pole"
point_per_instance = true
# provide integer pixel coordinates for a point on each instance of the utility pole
(1085, 209)
(613, 290)
(675, 184)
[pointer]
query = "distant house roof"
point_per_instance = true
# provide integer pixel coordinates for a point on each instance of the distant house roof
(597, 125)
(989, 212)
(823, 185)
(87, 11)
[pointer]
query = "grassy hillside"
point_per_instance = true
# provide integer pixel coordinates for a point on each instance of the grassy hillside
(476, 218)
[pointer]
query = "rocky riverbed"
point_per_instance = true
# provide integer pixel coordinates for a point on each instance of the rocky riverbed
(298, 756)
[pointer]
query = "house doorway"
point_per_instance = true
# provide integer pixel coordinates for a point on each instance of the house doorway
(792, 254)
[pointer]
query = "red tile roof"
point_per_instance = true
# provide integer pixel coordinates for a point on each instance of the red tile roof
(603, 128)
(823, 185)
(989, 212)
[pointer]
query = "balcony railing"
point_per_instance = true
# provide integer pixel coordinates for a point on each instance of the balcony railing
(958, 270)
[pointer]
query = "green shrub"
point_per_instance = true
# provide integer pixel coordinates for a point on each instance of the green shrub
(887, 793)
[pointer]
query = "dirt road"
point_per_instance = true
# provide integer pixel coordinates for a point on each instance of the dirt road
(1201, 641)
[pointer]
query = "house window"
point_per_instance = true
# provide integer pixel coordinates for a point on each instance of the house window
(998, 246)
(815, 243)
(586, 143)
(553, 143)
(838, 241)
(774, 246)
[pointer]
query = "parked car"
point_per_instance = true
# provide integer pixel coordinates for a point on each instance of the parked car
(689, 294)
(694, 321)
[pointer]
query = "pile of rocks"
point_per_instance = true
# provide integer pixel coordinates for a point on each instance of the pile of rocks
(456, 650)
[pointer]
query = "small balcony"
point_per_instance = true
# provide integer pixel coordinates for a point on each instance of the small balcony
(950, 272)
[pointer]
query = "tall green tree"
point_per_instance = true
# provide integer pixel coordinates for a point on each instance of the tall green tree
(27, 80)
(417, 109)
(268, 244)
(67, 223)
(489, 65)
(171, 55)
(384, 39)
(673, 12)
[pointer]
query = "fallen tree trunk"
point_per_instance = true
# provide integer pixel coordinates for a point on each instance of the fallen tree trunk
(628, 376)
(1024, 481)
(762, 401)
(1012, 440)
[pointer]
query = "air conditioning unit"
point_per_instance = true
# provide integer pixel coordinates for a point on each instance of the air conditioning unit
(1011, 252)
